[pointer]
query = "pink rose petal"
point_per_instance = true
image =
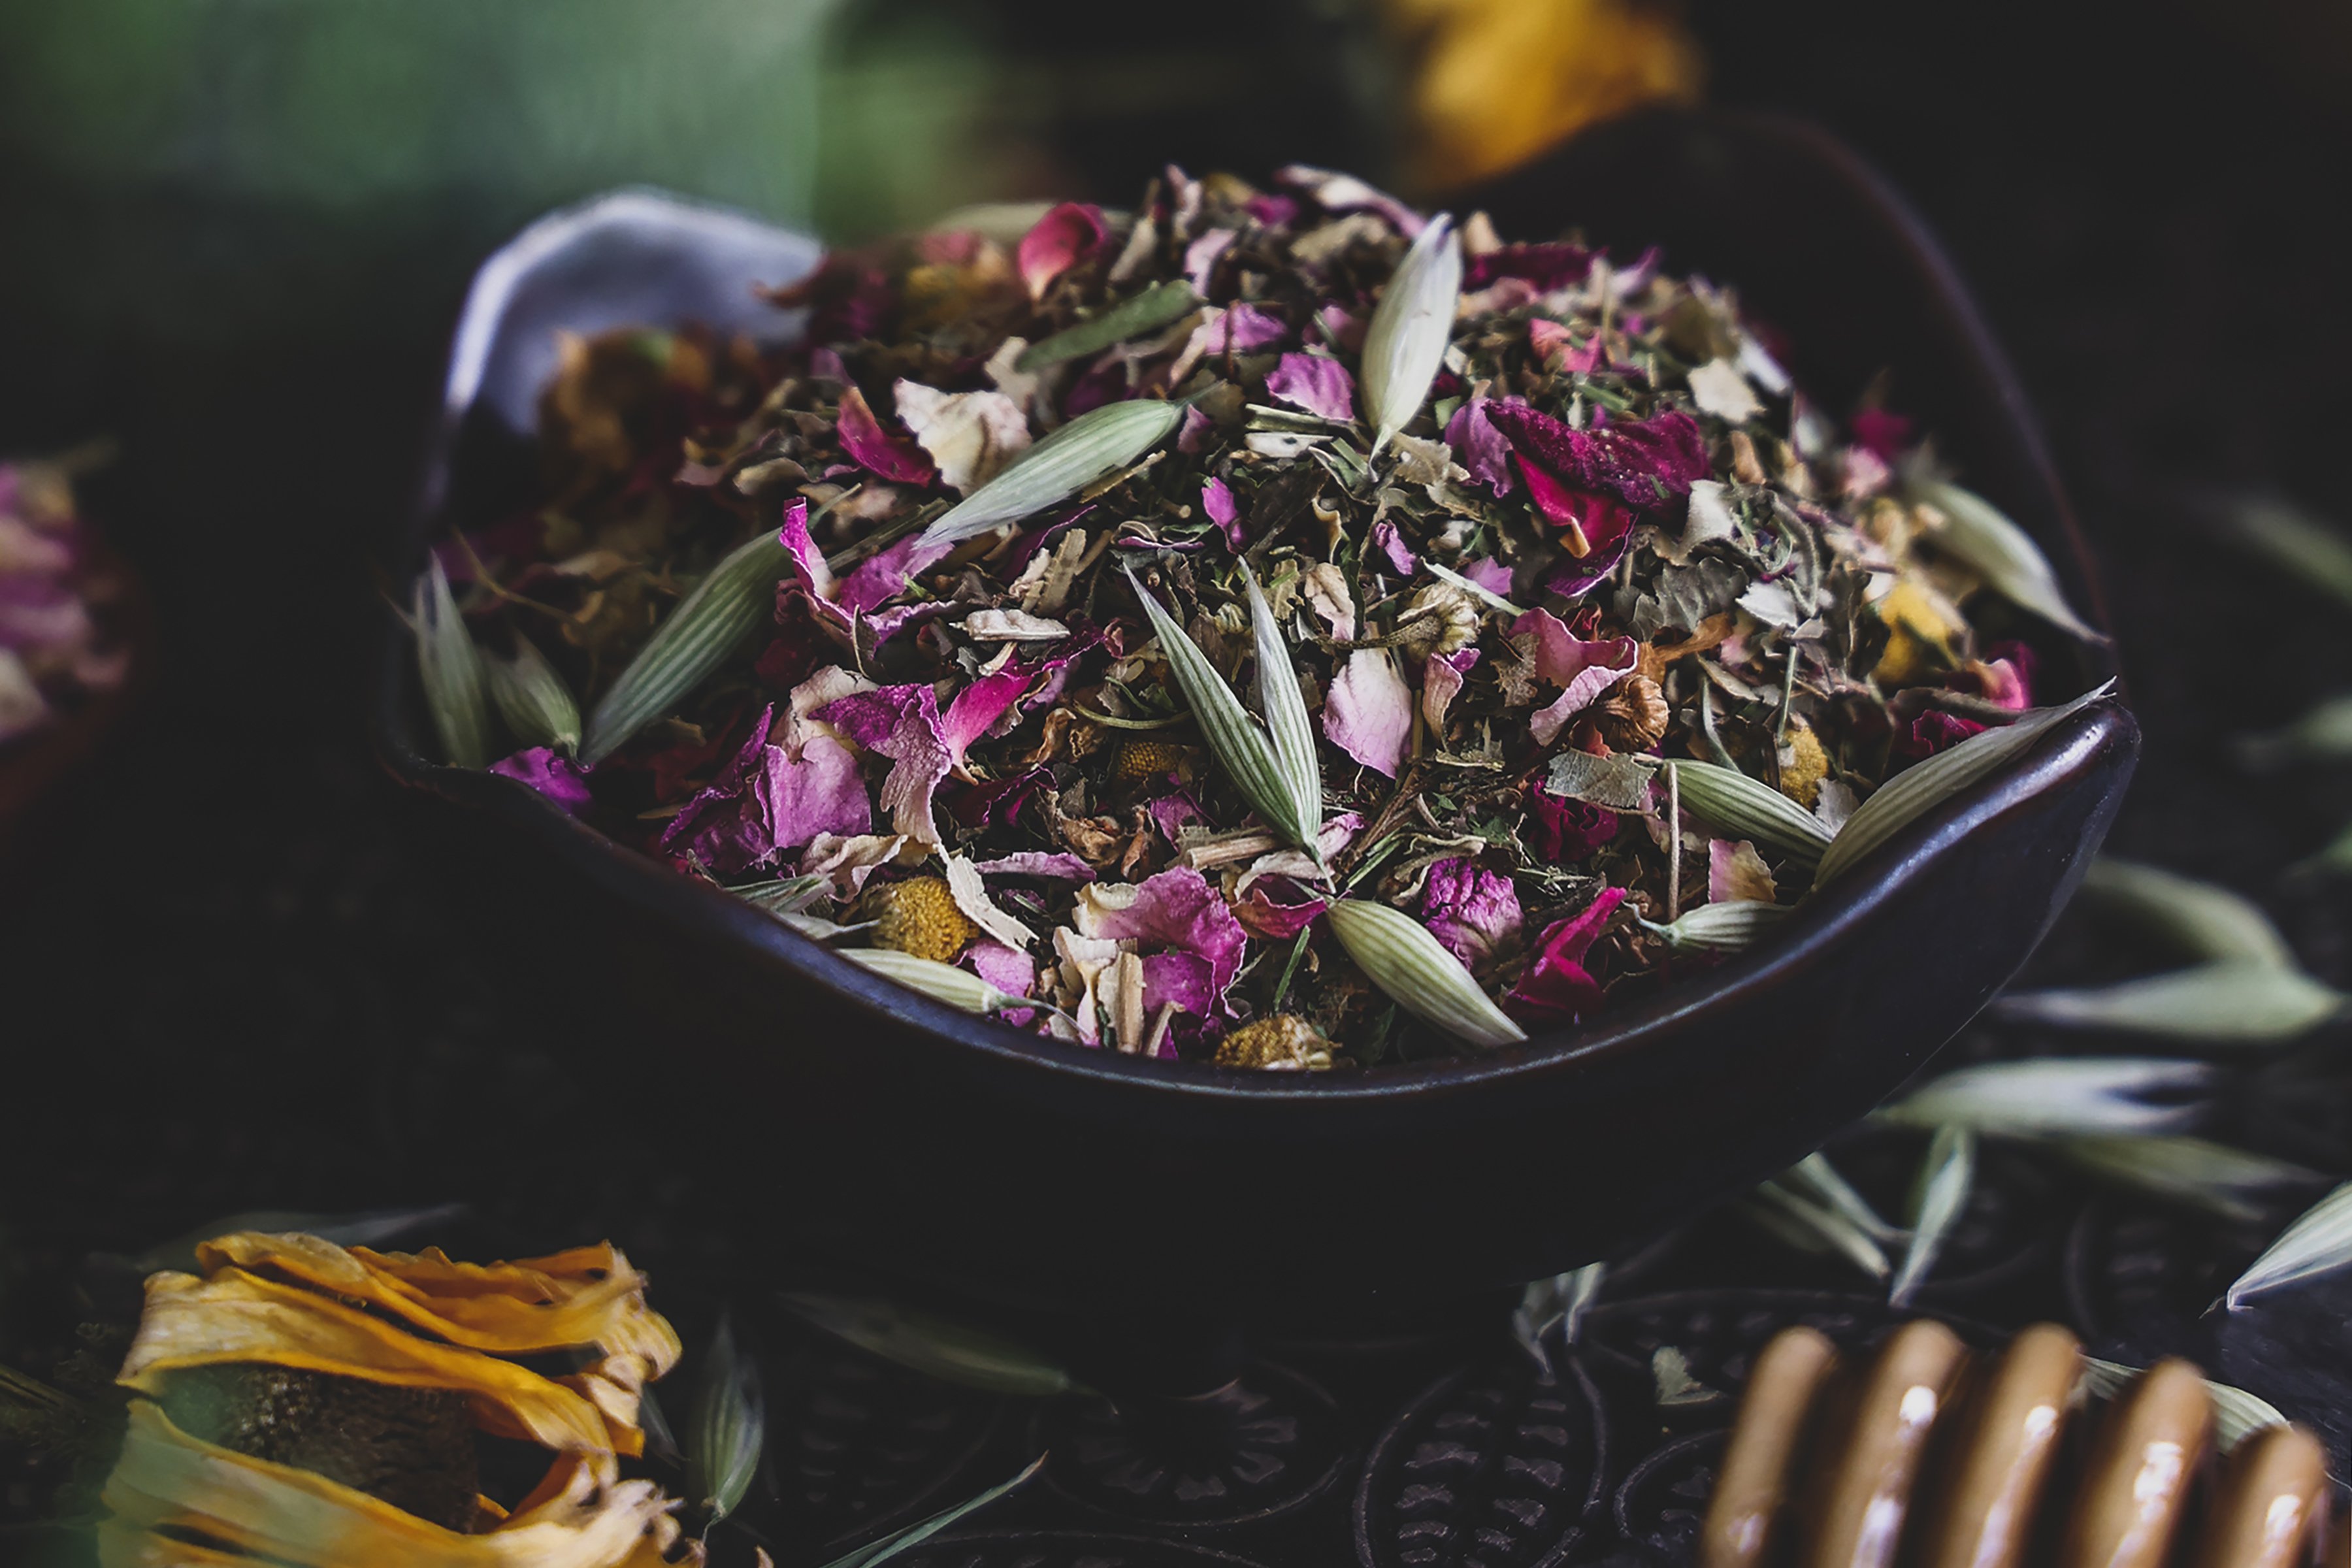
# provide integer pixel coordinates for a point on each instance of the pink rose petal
(889, 456)
(1317, 385)
(1367, 712)
(1057, 242)
(1583, 670)
(1473, 912)
(1556, 988)
(558, 778)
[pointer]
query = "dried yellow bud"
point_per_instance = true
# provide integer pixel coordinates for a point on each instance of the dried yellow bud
(1146, 759)
(1632, 715)
(1283, 1043)
(1439, 619)
(919, 916)
(1803, 765)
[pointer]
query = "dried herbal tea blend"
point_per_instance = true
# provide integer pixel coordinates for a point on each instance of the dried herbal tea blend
(1271, 628)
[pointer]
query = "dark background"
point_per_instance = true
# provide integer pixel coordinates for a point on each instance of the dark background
(230, 978)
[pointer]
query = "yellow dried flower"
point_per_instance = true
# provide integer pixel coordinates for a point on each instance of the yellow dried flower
(1804, 764)
(919, 916)
(1283, 1043)
(1146, 759)
(1920, 628)
(317, 1377)
(1438, 619)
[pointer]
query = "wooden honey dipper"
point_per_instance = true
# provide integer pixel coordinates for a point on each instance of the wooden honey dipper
(1922, 1459)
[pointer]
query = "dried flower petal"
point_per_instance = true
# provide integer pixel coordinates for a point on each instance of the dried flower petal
(1320, 386)
(1068, 233)
(1368, 713)
(880, 453)
(1556, 988)
(970, 436)
(1473, 912)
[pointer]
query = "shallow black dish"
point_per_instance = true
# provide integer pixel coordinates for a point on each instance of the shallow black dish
(895, 1133)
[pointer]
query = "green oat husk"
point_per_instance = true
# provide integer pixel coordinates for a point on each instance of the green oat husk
(1244, 751)
(450, 666)
(1093, 447)
(2197, 920)
(2233, 1002)
(1979, 536)
(1813, 1227)
(2237, 1415)
(1738, 806)
(1939, 1198)
(935, 1346)
(2192, 1171)
(1911, 794)
(1398, 954)
(1406, 339)
(1732, 927)
(2322, 734)
(958, 988)
(1287, 725)
(538, 708)
(729, 1427)
(2318, 1242)
(913, 1535)
(2058, 1096)
(736, 596)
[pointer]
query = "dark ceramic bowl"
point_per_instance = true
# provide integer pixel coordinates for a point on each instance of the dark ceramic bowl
(905, 1137)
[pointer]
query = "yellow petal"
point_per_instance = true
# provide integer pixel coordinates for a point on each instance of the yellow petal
(239, 1317)
(168, 1486)
(587, 1297)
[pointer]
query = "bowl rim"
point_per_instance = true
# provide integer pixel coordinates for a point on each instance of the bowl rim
(969, 1044)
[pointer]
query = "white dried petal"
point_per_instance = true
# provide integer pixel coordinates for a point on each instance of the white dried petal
(970, 436)
(1720, 388)
(1012, 626)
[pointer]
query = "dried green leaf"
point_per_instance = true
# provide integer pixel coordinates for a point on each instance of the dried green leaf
(1741, 807)
(935, 1346)
(1132, 317)
(913, 1535)
(2319, 1242)
(1618, 783)
(1398, 954)
(1095, 445)
(1928, 784)
(451, 668)
(2232, 1002)
(2231, 1183)
(730, 1427)
(1939, 1198)
(738, 595)
(1979, 536)
(533, 700)
(2237, 1415)
(2057, 1096)
(1406, 340)
(2197, 920)
(1731, 927)
(1242, 749)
